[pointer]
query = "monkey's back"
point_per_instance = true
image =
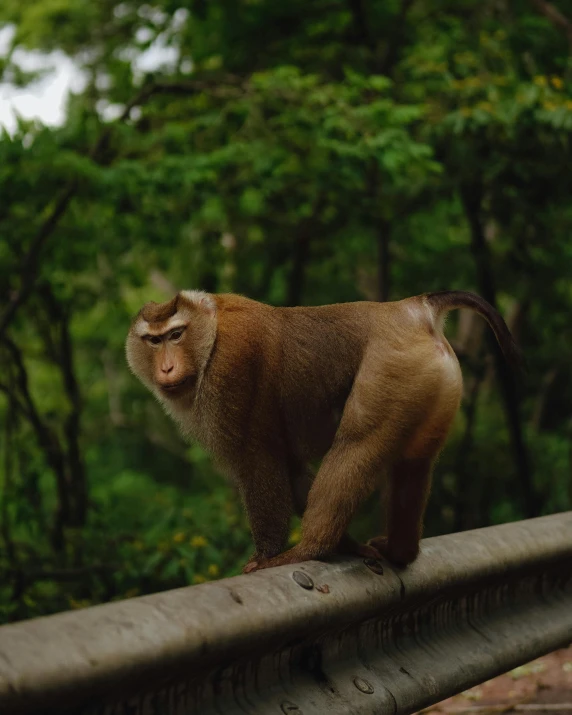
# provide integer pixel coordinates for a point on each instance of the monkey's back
(282, 376)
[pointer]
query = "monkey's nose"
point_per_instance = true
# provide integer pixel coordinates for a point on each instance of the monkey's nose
(167, 369)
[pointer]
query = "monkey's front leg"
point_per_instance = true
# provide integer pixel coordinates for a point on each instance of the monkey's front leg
(302, 483)
(346, 477)
(267, 496)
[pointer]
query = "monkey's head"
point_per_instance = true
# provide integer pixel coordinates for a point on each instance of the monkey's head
(169, 344)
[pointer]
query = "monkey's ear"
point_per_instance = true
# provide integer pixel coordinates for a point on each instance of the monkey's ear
(208, 304)
(201, 300)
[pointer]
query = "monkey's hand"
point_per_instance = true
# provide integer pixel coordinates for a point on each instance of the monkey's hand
(292, 556)
(298, 554)
(252, 563)
(256, 562)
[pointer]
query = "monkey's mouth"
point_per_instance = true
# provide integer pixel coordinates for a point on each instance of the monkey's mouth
(175, 386)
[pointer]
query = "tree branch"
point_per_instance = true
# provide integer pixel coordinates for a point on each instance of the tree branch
(11, 395)
(47, 440)
(29, 267)
(397, 37)
(5, 523)
(552, 13)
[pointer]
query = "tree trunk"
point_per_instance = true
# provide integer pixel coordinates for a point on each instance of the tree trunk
(383, 261)
(465, 517)
(471, 196)
(308, 227)
(297, 280)
(74, 464)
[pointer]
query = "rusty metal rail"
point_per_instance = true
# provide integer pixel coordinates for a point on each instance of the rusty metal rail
(333, 638)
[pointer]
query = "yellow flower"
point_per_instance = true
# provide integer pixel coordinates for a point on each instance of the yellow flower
(179, 538)
(540, 81)
(557, 82)
(549, 106)
(198, 542)
(213, 570)
(568, 104)
(295, 536)
(199, 578)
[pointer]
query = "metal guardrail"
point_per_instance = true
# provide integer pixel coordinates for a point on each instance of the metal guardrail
(333, 638)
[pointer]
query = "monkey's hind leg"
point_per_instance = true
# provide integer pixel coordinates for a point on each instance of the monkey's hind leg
(350, 547)
(409, 491)
(410, 483)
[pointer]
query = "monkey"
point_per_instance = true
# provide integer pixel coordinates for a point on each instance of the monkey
(370, 389)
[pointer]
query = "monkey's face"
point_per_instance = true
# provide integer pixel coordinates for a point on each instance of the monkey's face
(169, 343)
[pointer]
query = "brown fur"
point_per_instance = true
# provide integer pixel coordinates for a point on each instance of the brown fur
(159, 312)
(450, 299)
(366, 387)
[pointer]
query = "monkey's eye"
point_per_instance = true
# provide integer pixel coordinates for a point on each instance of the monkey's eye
(175, 335)
(154, 340)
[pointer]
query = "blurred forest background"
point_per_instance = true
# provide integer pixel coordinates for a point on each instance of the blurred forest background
(296, 152)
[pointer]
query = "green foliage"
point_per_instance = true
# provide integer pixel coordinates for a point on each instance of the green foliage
(298, 153)
(142, 537)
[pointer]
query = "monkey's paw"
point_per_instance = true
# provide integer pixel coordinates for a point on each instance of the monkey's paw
(351, 547)
(292, 556)
(252, 565)
(400, 555)
(256, 563)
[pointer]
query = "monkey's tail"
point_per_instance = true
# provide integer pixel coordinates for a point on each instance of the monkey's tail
(444, 301)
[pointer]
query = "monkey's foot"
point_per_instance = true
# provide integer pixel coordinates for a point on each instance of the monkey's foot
(400, 555)
(350, 546)
(292, 556)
